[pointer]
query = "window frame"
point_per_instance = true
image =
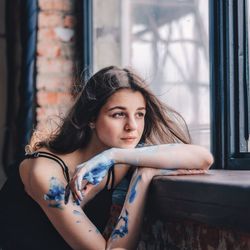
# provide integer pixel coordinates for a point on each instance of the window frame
(87, 38)
(229, 84)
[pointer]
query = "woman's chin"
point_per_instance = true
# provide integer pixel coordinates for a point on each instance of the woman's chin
(127, 145)
(124, 144)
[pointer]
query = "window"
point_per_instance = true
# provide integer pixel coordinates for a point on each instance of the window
(165, 41)
(229, 79)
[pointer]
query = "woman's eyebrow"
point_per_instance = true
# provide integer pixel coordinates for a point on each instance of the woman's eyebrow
(141, 108)
(117, 107)
(124, 108)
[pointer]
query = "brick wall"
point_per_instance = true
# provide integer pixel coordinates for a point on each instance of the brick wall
(57, 59)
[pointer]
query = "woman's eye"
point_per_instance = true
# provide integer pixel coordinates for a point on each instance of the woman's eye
(140, 115)
(117, 115)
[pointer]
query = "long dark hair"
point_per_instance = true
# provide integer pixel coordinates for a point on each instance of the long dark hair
(162, 124)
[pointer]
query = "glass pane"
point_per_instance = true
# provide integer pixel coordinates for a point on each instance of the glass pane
(166, 41)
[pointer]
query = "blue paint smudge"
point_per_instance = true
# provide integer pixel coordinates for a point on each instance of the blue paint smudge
(132, 194)
(76, 202)
(167, 171)
(77, 212)
(55, 194)
(56, 205)
(96, 175)
(123, 230)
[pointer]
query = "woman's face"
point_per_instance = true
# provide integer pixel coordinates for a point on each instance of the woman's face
(120, 122)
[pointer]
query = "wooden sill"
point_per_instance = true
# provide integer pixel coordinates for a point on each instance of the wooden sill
(220, 198)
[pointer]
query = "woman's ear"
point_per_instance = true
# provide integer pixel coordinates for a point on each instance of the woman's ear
(92, 125)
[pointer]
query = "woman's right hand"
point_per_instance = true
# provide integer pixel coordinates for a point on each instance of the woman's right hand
(92, 171)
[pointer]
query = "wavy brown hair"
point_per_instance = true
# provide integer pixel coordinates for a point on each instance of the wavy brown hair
(162, 124)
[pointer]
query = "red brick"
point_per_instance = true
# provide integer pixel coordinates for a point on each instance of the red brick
(43, 113)
(45, 98)
(69, 21)
(47, 33)
(48, 49)
(68, 50)
(50, 19)
(64, 5)
(54, 82)
(58, 65)
(61, 5)
(53, 34)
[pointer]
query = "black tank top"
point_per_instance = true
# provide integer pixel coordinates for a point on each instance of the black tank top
(24, 225)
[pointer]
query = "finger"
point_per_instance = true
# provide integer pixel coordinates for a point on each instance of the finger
(84, 184)
(76, 193)
(77, 201)
(79, 179)
(87, 188)
(67, 194)
(76, 184)
(80, 166)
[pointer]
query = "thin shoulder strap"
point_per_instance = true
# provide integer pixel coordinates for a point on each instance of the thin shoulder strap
(52, 157)
(111, 175)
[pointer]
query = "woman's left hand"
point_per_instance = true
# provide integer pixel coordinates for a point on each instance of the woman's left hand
(92, 171)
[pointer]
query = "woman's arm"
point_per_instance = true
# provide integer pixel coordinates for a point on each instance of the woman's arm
(166, 156)
(46, 185)
(128, 228)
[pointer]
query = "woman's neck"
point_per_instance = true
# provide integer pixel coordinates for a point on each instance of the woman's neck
(79, 156)
(93, 148)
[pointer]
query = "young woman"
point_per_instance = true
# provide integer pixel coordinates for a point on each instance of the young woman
(60, 196)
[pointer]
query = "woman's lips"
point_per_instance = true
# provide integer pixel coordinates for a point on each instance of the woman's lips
(128, 139)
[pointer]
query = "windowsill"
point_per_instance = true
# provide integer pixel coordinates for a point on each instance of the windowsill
(220, 198)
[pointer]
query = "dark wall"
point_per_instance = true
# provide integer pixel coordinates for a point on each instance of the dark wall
(2, 83)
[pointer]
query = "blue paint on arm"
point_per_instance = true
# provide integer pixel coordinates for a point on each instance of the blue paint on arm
(167, 171)
(77, 212)
(96, 175)
(123, 229)
(55, 195)
(132, 194)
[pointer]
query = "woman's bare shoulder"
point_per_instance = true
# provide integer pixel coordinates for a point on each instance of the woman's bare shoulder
(36, 173)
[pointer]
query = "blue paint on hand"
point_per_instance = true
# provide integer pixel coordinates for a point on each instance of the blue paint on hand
(132, 194)
(123, 230)
(55, 194)
(96, 175)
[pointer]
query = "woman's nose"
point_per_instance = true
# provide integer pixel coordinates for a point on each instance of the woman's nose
(131, 124)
